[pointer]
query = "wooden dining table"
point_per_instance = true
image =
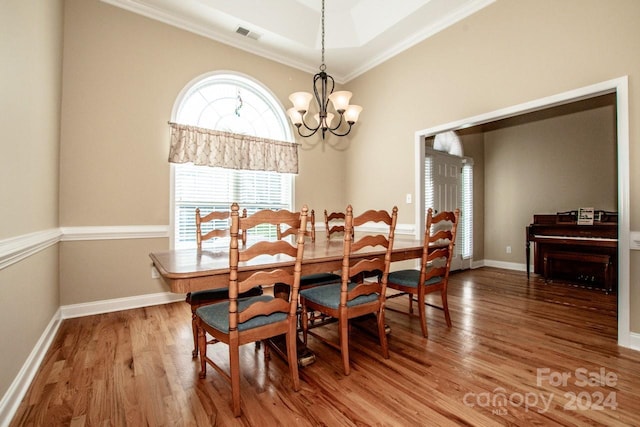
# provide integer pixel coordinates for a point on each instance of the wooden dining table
(188, 270)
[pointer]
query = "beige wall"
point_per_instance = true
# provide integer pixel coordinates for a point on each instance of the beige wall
(546, 165)
(506, 54)
(31, 54)
(122, 75)
(107, 269)
(30, 77)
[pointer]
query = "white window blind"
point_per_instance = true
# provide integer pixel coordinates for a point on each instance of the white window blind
(214, 189)
(428, 183)
(466, 222)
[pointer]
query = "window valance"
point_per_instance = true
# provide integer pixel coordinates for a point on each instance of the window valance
(230, 150)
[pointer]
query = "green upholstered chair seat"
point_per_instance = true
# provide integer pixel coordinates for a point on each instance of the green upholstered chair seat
(329, 296)
(202, 297)
(217, 315)
(410, 278)
(318, 279)
(308, 281)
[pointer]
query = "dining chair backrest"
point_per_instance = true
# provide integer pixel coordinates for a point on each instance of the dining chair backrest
(219, 226)
(334, 223)
(374, 263)
(295, 220)
(440, 239)
(283, 230)
(215, 219)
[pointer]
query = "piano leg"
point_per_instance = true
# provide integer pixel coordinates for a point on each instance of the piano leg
(608, 284)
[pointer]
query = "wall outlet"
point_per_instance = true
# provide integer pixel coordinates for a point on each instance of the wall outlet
(154, 273)
(508, 249)
(408, 198)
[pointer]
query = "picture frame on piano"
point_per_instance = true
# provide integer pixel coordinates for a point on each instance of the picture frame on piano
(585, 216)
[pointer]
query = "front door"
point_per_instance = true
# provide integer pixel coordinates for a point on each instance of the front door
(446, 195)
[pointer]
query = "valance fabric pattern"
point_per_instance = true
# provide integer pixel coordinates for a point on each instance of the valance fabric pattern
(231, 150)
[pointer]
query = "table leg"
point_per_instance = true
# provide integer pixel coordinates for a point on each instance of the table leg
(279, 344)
(306, 357)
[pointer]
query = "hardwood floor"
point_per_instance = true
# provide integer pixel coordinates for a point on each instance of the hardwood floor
(502, 363)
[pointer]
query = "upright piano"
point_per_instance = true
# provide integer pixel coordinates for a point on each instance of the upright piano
(584, 254)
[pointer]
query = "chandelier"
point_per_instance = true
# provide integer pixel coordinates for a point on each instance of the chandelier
(323, 85)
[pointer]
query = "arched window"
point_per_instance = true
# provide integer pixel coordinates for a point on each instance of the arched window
(232, 103)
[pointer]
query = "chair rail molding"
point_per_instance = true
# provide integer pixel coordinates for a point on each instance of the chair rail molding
(14, 249)
(17, 248)
(114, 232)
(401, 229)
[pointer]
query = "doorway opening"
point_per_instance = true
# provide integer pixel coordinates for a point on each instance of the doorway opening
(619, 87)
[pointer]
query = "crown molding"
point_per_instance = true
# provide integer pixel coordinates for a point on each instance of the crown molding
(374, 58)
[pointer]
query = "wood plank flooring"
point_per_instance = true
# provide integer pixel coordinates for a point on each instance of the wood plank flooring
(519, 353)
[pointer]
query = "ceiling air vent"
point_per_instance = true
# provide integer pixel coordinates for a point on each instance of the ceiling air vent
(245, 32)
(242, 31)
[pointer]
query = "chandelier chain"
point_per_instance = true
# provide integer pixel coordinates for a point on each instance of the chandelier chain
(323, 85)
(323, 66)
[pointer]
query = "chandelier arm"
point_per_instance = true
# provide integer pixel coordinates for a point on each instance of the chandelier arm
(333, 131)
(338, 125)
(313, 131)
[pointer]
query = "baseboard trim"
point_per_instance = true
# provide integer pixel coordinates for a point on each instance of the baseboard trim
(118, 304)
(18, 388)
(506, 265)
(477, 264)
(634, 341)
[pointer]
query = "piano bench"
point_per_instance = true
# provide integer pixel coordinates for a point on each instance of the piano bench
(603, 259)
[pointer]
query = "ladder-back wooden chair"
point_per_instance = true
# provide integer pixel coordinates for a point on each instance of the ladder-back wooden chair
(433, 276)
(348, 299)
(334, 223)
(219, 228)
(239, 321)
(314, 279)
(283, 231)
